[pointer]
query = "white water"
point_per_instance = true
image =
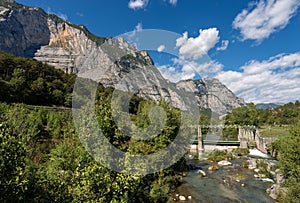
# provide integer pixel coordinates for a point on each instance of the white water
(256, 152)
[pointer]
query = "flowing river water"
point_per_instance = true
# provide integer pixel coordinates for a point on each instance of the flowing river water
(228, 184)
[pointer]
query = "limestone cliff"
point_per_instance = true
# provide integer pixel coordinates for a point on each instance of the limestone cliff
(30, 32)
(212, 94)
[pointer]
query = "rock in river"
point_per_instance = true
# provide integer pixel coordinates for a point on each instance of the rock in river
(224, 163)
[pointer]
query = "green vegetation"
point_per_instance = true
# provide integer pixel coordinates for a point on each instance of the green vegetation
(239, 177)
(240, 152)
(217, 155)
(272, 122)
(32, 82)
(288, 151)
(274, 131)
(263, 168)
(41, 156)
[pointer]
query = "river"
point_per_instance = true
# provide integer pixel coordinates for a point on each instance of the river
(228, 184)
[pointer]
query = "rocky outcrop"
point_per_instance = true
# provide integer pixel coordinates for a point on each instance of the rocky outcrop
(31, 32)
(23, 30)
(212, 94)
(277, 190)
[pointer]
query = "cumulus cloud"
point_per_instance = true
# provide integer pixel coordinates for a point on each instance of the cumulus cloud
(161, 48)
(224, 45)
(274, 80)
(265, 17)
(193, 60)
(137, 4)
(195, 48)
(189, 69)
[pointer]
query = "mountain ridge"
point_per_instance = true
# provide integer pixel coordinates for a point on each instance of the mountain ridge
(111, 61)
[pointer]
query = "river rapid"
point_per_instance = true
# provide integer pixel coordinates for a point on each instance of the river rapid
(227, 184)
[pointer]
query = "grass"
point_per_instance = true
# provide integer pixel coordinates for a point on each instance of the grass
(274, 131)
(239, 177)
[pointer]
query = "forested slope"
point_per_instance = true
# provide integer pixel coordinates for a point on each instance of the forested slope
(41, 156)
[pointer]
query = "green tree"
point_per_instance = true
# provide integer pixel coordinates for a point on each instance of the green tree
(246, 115)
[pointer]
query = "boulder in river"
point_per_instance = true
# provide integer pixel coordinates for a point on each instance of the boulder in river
(182, 198)
(202, 173)
(213, 168)
(224, 163)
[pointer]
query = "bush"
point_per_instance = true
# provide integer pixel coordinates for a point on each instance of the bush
(240, 152)
(218, 155)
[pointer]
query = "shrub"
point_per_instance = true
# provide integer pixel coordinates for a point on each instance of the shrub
(218, 155)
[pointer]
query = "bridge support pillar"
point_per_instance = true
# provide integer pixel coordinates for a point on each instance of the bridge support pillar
(246, 137)
(200, 142)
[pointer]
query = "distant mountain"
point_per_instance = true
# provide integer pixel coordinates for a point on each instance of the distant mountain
(31, 32)
(267, 105)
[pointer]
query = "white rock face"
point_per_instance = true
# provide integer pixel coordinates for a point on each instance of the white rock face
(212, 94)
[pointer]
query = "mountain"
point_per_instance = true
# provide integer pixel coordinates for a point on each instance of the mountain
(212, 94)
(31, 32)
(267, 105)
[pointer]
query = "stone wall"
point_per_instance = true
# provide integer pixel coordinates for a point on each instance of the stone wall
(246, 137)
(261, 143)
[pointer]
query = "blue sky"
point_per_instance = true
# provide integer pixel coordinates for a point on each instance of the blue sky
(251, 46)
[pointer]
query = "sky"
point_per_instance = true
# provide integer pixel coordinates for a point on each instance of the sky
(252, 47)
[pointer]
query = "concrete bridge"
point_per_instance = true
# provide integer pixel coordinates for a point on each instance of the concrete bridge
(248, 137)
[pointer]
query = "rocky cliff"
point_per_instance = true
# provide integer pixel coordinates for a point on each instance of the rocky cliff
(31, 32)
(212, 94)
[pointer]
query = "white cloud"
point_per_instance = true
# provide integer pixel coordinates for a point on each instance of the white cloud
(138, 27)
(173, 2)
(137, 4)
(161, 48)
(224, 45)
(265, 17)
(62, 16)
(59, 14)
(274, 80)
(195, 48)
(189, 69)
(172, 74)
(192, 58)
(79, 14)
